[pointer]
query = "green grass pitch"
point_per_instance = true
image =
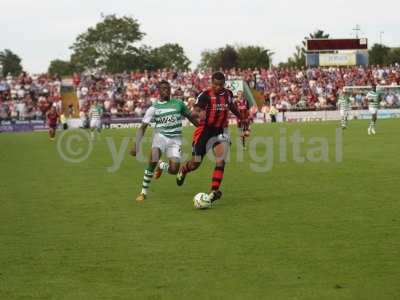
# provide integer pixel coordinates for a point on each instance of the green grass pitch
(310, 230)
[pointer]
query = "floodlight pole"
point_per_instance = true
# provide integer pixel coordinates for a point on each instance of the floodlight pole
(357, 30)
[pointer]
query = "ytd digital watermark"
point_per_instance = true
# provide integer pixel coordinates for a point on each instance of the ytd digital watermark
(262, 153)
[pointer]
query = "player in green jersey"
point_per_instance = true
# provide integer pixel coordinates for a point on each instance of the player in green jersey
(167, 115)
(344, 107)
(95, 114)
(373, 98)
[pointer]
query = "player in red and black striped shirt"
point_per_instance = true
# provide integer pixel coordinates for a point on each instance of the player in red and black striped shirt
(52, 121)
(212, 107)
(244, 121)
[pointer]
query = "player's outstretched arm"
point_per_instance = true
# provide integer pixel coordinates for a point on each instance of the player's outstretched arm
(141, 131)
(194, 119)
(139, 136)
(234, 110)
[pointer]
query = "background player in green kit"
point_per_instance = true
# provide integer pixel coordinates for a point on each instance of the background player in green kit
(167, 115)
(344, 107)
(373, 98)
(95, 113)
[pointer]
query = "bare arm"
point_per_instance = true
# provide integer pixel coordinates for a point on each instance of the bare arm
(193, 118)
(139, 136)
(141, 131)
(199, 113)
(234, 110)
(47, 117)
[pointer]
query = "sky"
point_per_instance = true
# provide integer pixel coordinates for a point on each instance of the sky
(42, 30)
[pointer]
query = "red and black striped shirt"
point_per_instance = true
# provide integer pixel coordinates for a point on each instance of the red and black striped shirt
(52, 118)
(217, 107)
(243, 108)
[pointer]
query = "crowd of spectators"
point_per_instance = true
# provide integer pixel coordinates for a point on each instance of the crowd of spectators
(317, 88)
(291, 89)
(130, 94)
(28, 97)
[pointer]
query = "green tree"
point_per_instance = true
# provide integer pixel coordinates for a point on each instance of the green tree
(142, 59)
(299, 57)
(298, 60)
(208, 59)
(137, 59)
(378, 54)
(171, 56)
(227, 57)
(61, 68)
(10, 63)
(254, 57)
(222, 58)
(105, 44)
(393, 56)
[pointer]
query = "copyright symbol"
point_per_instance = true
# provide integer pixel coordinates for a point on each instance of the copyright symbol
(74, 146)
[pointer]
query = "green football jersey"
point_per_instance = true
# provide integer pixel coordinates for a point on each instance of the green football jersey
(96, 112)
(344, 102)
(167, 117)
(373, 99)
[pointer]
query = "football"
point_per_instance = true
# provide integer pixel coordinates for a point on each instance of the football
(201, 201)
